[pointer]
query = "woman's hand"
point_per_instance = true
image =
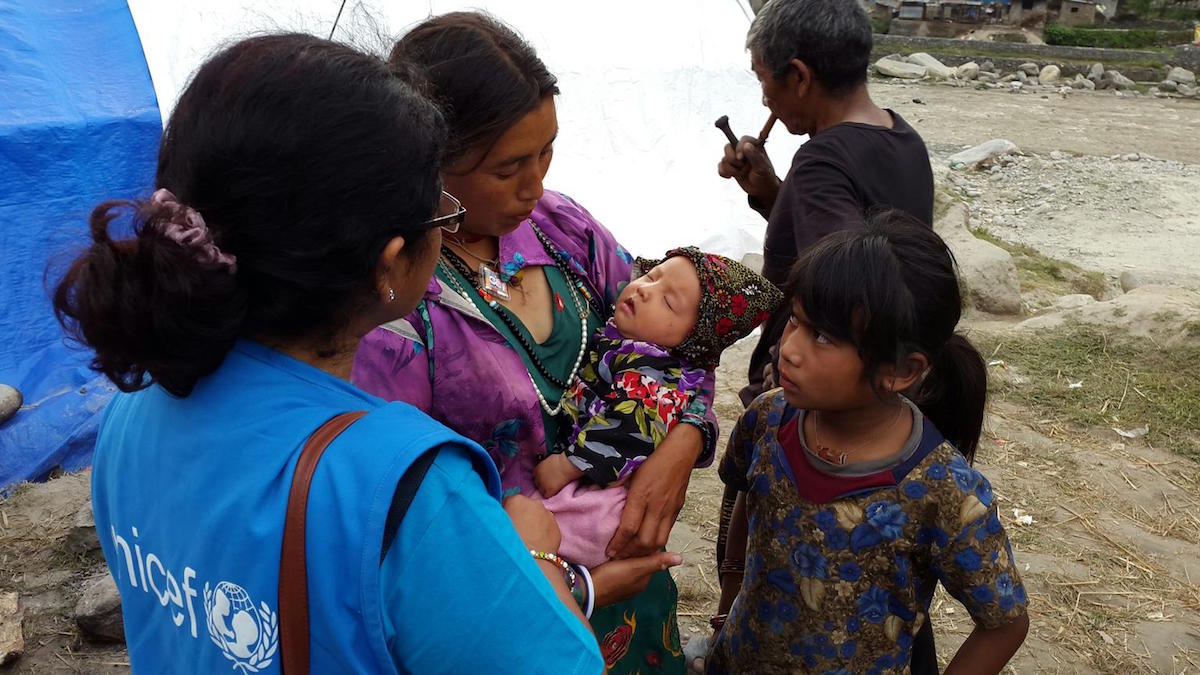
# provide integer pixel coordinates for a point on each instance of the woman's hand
(656, 494)
(534, 523)
(618, 580)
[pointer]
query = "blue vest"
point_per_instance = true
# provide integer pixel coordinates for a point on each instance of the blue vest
(190, 494)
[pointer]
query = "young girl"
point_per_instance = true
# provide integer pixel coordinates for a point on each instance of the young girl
(855, 491)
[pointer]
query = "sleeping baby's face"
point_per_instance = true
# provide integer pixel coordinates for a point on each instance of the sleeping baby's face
(662, 306)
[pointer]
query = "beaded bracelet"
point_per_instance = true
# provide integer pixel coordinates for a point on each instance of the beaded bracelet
(568, 572)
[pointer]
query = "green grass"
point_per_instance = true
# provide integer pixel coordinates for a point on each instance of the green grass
(978, 50)
(1035, 270)
(1130, 38)
(1127, 382)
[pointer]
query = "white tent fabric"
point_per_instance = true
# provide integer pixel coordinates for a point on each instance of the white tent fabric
(642, 83)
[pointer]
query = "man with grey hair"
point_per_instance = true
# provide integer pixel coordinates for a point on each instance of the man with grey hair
(811, 59)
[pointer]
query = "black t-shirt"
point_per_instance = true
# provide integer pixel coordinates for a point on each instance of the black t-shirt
(838, 176)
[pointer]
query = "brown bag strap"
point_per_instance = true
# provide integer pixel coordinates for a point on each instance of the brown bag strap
(293, 570)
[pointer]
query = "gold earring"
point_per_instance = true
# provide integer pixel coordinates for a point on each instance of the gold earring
(391, 294)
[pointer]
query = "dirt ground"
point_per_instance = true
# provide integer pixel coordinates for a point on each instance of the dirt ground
(1112, 557)
(1083, 122)
(1114, 185)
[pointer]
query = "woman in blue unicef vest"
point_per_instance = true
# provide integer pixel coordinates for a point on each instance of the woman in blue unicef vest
(298, 206)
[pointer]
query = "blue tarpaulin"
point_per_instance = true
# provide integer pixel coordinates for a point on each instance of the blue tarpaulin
(79, 123)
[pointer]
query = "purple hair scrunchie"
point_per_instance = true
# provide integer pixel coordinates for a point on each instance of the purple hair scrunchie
(186, 227)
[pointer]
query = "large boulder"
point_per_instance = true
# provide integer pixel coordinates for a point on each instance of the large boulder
(968, 71)
(982, 154)
(1029, 68)
(98, 612)
(933, 67)
(1166, 314)
(1096, 72)
(1181, 76)
(901, 69)
(1119, 81)
(985, 269)
(1168, 85)
(1049, 74)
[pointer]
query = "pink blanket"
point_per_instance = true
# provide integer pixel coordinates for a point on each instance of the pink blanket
(587, 517)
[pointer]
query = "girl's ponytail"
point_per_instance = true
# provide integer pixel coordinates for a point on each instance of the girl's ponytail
(953, 394)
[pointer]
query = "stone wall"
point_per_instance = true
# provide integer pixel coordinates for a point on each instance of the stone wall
(937, 29)
(1010, 64)
(1186, 56)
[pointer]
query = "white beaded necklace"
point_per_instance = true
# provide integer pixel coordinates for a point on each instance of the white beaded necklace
(583, 333)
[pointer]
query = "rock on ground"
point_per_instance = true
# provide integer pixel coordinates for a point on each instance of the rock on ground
(754, 261)
(985, 269)
(98, 612)
(1181, 76)
(1096, 72)
(1129, 281)
(12, 640)
(968, 71)
(82, 539)
(933, 67)
(1117, 80)
(10, 402)
(1049, 74)
(1073, 301)
(983, 153)
(1029, 68)
(908, 71)
(1167, 314)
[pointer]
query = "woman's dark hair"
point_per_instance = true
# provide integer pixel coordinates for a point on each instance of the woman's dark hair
(890, 290)
(303, 157)
(482, 73)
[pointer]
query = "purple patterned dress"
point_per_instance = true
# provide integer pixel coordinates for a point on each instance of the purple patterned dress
(447, 359)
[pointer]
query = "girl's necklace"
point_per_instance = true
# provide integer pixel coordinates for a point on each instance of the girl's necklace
(839, 458)
(451, 262)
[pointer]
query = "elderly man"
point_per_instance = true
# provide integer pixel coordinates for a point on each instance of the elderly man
(811, 59)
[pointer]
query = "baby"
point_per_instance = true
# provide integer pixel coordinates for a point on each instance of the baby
(643, 373)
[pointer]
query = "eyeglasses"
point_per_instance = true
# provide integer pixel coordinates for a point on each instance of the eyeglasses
(451, 214)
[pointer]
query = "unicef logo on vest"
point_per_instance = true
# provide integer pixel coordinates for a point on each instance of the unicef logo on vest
(246, 634)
